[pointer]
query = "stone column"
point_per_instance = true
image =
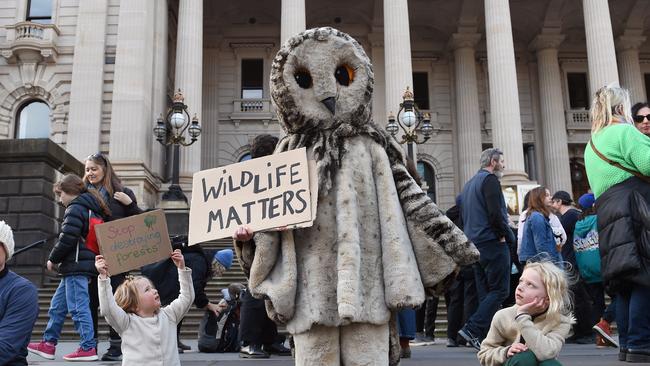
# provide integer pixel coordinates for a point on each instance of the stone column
(397, 52)
(292, 19)
(467, 108)
(132, 114)
(86, 89)
(555, 147)
(504, 97)
(379, 113)
(630, 70)
(189, 76)
(600, 44)
(132, 117)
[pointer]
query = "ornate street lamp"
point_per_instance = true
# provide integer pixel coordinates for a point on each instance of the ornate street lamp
(171, 131)
(410, 119)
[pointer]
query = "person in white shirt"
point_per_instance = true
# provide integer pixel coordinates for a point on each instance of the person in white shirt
(148, 331)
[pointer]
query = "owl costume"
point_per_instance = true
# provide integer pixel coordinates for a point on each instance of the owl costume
(378, 242)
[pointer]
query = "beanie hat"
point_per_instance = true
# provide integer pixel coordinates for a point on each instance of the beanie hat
(586, 200)
(224, 257)
(7, 238)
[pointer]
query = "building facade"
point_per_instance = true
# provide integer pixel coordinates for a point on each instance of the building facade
(93, 75)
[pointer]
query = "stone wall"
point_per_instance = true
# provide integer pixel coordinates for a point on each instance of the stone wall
(28, 170)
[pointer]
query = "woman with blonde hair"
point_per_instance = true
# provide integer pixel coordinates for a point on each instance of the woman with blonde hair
(617, 161)
(531, 332)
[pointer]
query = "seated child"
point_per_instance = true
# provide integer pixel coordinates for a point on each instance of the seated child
(148, 332)
(531, 332)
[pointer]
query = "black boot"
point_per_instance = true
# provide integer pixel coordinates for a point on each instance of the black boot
(276, 348)
(114, 353)
(253, 351)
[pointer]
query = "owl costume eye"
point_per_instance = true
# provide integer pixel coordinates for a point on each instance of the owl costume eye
(303, 78)
(344, 75)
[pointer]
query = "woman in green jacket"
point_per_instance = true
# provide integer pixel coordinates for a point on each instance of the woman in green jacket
(616, 160)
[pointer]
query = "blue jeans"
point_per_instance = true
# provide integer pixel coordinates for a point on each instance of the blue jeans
(406, 323)
(71, 297)
(633, 318)
(492, 275)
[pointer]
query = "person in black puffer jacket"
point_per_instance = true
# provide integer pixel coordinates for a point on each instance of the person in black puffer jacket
(624, 235)
(122, 203)
(76, 264)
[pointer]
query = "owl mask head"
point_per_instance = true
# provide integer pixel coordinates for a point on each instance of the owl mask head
(319, 78)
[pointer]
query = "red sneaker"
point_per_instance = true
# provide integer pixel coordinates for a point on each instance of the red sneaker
(43, 349)
(605, 332)
(81, 355)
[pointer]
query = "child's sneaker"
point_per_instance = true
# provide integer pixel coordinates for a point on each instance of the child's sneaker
(43, 349)
(81, 355)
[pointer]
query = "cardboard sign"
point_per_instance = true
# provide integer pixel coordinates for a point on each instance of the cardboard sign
(264, 193)
(134, 241)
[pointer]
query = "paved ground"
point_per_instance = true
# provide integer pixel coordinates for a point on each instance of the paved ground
(572, 355)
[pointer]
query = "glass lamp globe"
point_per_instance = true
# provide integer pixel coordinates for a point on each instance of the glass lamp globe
(177, 120)
(194, 130)
(408, 118)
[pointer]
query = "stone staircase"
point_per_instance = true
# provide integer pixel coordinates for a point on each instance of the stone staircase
(190, 324)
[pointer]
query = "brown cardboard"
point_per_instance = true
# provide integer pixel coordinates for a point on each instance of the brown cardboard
(134, 241)
(264, 193)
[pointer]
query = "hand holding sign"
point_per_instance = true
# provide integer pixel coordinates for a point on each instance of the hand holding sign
(243, 233)
(102, 268)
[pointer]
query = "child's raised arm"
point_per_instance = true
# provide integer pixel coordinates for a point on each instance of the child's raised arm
(179, 307)
(115, 316)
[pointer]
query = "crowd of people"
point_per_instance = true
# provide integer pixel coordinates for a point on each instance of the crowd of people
(538, 284)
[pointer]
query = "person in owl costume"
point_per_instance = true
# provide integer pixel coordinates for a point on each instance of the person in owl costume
(378, 243)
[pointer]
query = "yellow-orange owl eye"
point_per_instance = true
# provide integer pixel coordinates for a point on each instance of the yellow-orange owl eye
(344, 74)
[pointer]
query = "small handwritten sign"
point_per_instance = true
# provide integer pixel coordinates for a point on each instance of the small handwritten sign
(134, 241)
(267, 192)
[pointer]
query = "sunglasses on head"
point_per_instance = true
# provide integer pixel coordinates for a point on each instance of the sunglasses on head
(97, 156)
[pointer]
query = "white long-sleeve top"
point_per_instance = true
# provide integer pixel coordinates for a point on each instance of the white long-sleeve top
(148, 341)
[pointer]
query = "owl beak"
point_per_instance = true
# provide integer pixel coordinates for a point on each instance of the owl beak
(330, 103)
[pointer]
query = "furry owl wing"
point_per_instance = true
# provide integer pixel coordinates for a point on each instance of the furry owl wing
(439, 245)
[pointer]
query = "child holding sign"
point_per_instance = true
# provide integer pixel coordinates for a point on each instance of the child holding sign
(75, 264)
(148, 331)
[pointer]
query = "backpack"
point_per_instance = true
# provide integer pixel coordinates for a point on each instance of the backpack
(229, 340)
(91, 237)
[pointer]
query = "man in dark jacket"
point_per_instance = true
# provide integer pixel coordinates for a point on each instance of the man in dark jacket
(624, 242)
(18, 306)
(485, 220)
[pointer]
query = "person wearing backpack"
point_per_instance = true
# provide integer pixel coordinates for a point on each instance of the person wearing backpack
(76, 265)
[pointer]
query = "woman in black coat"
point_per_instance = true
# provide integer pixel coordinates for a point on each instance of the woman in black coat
(99, 174)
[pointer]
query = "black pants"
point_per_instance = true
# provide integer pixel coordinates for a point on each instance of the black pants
(583, 309)
(461, 301)
(425, 317)
(255, 327)
(93, 292)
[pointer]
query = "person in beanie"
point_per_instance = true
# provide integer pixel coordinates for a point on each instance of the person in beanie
(585, 244)
(18, 306)
(205, 264)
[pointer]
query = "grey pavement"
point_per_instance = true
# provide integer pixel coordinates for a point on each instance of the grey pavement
(438, 354)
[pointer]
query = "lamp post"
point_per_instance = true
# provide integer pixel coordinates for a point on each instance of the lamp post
(409, 119)
(171, 131)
